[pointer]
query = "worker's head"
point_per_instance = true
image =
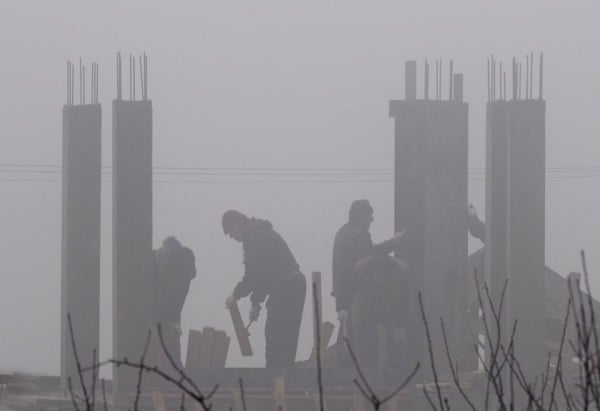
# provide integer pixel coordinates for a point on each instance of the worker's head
(234, 223)
(361, 213)
(171, 243)
(165, 254)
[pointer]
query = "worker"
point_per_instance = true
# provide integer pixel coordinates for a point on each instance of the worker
(475, 225)
(270, 270)
(174, 270)
(379, 310)
(351, 245)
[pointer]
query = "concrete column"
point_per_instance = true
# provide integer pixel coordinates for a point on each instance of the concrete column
(80, 276)
(496, 211)
(431, 141)
(132, 234)
(515, 223)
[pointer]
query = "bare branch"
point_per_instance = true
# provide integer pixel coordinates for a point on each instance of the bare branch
(242, 394)
(430, 347)
(318, 346)
(454, 371)
(138, 388)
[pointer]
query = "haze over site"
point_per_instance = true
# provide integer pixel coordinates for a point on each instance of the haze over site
(265, 84)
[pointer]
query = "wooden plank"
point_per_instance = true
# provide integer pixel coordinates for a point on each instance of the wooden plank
(392, 404)
(159, 401)
(206, 347)
(241, 332)
(358, 402)
(279, 394)
(193, 349)
(219, 350)
(238, 404)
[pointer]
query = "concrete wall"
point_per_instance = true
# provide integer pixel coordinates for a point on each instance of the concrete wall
(132, 234)
(80, 278)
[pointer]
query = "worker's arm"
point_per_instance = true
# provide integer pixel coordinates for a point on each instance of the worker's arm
(388, 246)
(256, 263)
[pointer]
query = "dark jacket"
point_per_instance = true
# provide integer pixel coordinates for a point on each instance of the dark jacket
(382, 293)
(172, 283)
(351, 245)
(476, 227)
(268, 262)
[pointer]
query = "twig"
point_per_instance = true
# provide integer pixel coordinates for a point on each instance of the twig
(366, 390)
(454, 372)
(242, 394)
(560, 353)
(104, 395)
(77, 362)
(94, 374)
(72, 394)
(430, 347)
(401, 386)
(431, 403)
(318, 346)
(183, 376)
(138, 388)
(358, 369)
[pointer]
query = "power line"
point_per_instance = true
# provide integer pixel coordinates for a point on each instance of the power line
(222, 171)
(284, 169)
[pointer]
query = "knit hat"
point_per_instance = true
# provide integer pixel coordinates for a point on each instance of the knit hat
(231, 219)
(360, 208)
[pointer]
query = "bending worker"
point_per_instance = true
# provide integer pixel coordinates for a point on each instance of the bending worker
(270, 269)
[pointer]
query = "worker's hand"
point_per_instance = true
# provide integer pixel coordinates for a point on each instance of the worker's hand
(230, 301)
(397, 237)
(342, 316)
(254, 312)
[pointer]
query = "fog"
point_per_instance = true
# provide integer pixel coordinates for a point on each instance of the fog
(237, 86)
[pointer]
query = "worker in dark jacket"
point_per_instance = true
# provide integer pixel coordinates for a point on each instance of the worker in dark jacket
(379, 310)
(174, 270)
(270, 270)
(351, 245)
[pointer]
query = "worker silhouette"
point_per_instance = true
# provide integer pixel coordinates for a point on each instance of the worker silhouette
(352, 244)
(270, 270)
(174, 270)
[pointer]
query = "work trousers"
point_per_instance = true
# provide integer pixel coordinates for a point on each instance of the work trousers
(284, 315)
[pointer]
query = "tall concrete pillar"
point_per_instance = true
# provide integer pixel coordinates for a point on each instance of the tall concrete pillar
(515, 223)
(515, 213)
(132, 233)
(80, 275)
(431, 165)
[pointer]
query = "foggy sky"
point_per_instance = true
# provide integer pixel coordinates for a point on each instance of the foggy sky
(302, 84)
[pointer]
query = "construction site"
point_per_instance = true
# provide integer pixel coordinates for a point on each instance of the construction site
(480, 297)
(298, 208)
